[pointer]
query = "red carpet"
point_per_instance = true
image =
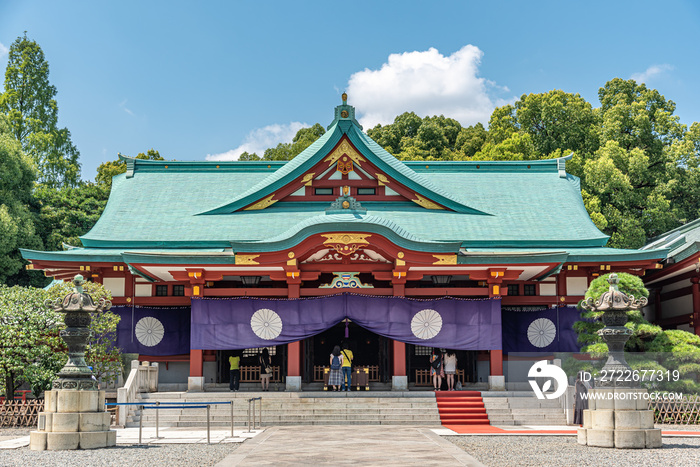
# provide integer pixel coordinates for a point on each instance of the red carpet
(461, 408)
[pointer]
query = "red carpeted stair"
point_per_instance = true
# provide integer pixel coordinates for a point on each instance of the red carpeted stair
(461, 408)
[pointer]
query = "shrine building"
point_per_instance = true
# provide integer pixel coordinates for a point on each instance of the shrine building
(343, 243)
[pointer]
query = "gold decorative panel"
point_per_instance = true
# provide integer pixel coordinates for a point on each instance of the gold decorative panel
(246, 259)
(426, 203)
(445, 259)
(382, 179)
(262, 204)
(308, 179)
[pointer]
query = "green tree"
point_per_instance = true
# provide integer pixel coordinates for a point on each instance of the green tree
(543, 126)
(67, 213)
(639, 175)
(29, 339)
(29, 102)
(430, 138)
(287, 151)
(17, 230)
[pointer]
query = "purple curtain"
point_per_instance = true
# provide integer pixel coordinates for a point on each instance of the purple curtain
(153, 331)
(219, 324)
(546, 330)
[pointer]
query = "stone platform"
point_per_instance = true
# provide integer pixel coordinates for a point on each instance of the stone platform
(73, 419)
(619, 418)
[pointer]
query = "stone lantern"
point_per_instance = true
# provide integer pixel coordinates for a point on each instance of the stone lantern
(74, 414)
(618, 412)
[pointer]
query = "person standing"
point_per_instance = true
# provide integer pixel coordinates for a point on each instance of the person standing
(335, 377)
(450, 369)
(265, 369)
(436, 370)
(235, 377)
(581, 401)
(347, 367)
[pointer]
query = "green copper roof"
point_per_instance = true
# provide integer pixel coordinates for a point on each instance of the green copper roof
(190, 208)
(328, 223)
(682, 242)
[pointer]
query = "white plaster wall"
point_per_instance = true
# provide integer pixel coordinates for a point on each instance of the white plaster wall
(576, 285)
(548, 290)
(143, 290)
(114, 285)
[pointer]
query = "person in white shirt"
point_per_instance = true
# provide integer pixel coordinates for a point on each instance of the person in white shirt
(450, 369)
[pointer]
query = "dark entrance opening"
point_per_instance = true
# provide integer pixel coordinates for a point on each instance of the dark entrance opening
(369, 350)
(418, 364)
(249, 358)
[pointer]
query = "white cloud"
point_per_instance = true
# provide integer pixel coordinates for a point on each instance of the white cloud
(123, 106)
(427, 83)
(3, 50)
(651, 72)
(260, 139)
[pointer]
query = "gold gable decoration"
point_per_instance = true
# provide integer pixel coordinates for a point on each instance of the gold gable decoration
(382, 179)
(426, 203)
(346, 243)
(308, 179)
(262, 204)
(345, 149)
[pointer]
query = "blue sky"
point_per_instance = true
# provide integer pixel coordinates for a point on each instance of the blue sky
(198, 80)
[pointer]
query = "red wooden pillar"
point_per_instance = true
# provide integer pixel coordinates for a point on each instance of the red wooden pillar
(294, 359)
(196, 362)
(294, 349)
(495, 356)
(696, 304)
(496, 362)
(399, 358)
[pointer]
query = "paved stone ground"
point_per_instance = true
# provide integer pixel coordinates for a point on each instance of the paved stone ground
(348, 445)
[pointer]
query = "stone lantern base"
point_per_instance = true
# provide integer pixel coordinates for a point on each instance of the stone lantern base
(619, 418)
(73, 419)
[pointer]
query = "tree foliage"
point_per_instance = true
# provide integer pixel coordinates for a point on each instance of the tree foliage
(17, 230)
(32, 350)
(29, 102)
(431, 138)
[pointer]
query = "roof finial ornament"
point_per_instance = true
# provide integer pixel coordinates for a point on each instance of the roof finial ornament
(345, 98)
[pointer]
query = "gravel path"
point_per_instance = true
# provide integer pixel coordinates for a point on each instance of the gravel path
(517, 451)
(170, 455)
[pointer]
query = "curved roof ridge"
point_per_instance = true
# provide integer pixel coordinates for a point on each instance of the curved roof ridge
(380, 225)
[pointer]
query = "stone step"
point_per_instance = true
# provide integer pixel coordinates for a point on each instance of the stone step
(294, 408)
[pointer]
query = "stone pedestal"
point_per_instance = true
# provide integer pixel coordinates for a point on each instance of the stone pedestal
(195, 384)
(293, 384)
(497, 383)
(399, 383)
(619, 418)
(73, 419)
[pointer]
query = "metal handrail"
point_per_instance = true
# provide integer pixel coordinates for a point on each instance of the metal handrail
(252, 401)
(181, 405)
